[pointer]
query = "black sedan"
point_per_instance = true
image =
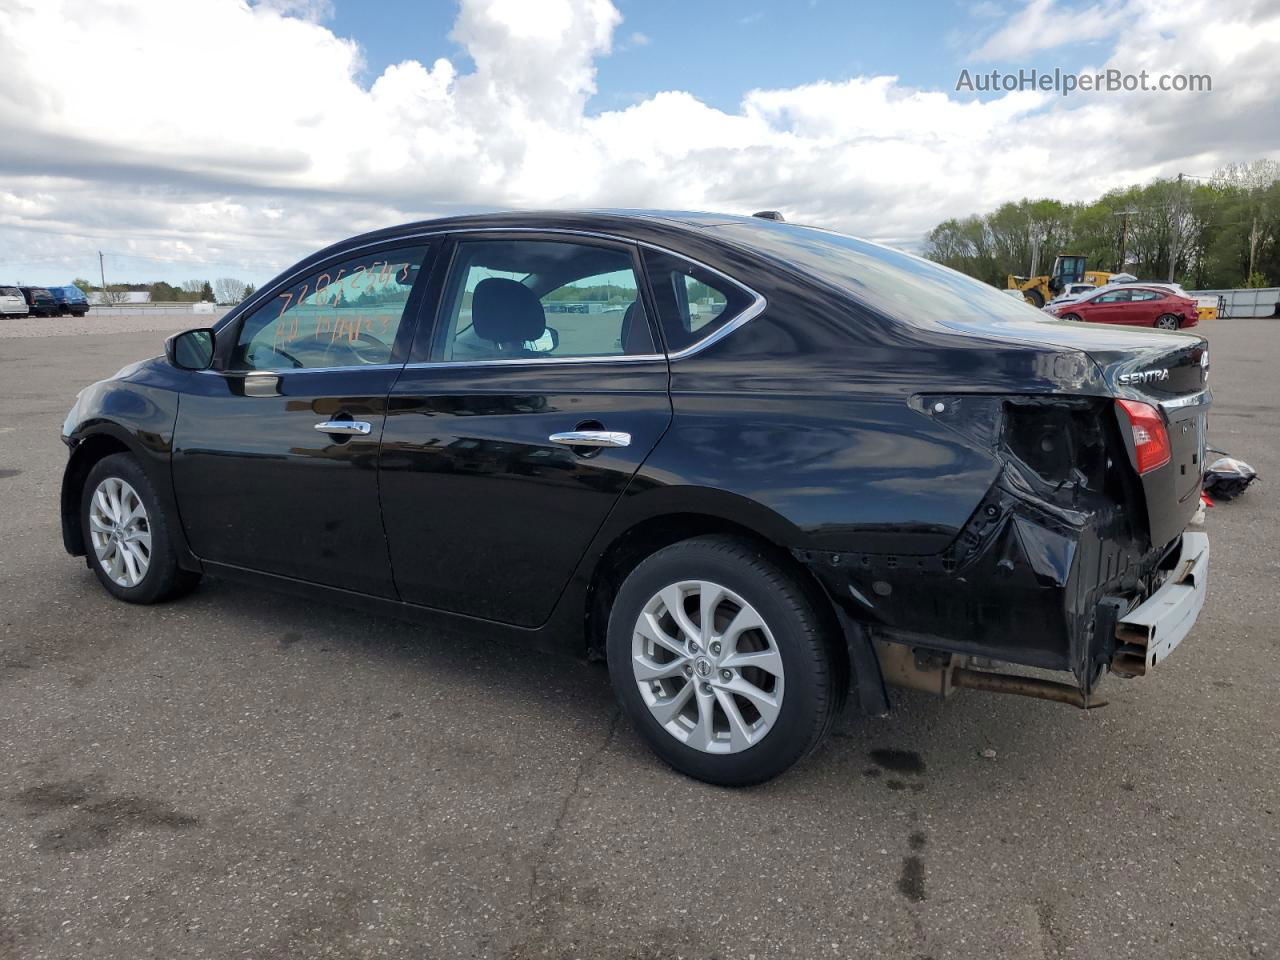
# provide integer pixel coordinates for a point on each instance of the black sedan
(756, 467)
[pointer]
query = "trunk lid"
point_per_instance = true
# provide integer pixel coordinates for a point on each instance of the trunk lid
(1174, 379)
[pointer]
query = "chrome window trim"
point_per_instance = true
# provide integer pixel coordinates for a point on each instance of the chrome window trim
(275, 372)
(537, 361)
(750, 312)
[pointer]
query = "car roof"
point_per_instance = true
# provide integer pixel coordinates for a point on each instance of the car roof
(652, 226)
(621, 220)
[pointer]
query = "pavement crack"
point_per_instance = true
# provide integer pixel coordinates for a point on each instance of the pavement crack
(585, 769)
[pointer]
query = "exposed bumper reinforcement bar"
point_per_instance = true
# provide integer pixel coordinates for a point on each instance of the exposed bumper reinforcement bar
(1149, 632)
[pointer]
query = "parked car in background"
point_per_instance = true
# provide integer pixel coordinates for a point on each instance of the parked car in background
(850, 467)
(1072, 293)
(70, 299)
(1135, 305)
(40, 302)
(13, 303)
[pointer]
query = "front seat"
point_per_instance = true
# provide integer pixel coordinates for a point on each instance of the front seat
(507, 314)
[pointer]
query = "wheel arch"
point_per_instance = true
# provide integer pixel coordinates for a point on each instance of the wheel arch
(89, 450)
(93, 441)
(629, 546)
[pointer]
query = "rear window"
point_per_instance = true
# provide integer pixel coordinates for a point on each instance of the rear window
(894, 283)
(10, 292)
(692, 301)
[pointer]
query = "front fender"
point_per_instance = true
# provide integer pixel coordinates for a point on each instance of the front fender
(121, 416)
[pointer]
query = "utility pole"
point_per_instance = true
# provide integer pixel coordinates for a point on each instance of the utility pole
(1124, 235)
(102, 272)
(1253, 248)
(1175, 227)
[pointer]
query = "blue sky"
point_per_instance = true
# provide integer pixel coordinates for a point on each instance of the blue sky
(260, 137)
(715, 49)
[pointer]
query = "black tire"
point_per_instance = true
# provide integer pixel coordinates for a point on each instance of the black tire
(1034, 297)
(164, 579)
(1167, 322)
(1073, 317)
(815, 680)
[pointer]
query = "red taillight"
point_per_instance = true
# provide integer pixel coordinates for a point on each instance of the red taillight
(1150, 438)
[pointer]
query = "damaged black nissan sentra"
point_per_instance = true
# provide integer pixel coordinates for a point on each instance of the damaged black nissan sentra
(756, 466)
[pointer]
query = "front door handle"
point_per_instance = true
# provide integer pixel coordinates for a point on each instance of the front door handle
(592, 438)
(350, 428)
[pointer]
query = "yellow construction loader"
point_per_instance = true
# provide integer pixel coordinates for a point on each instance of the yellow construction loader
(1066, 269)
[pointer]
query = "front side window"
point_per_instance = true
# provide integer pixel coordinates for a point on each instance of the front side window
(1118, 296)
(692, 302)
(532, 299)
(346, 314)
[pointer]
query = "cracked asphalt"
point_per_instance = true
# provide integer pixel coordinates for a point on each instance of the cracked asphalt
(246, 775)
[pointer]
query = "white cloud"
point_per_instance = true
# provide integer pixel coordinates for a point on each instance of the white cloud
(251, 141)
(1047, 24)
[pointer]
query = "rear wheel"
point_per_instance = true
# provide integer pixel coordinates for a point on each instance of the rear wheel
(721, 660)
(1167, 322)
(127, 536)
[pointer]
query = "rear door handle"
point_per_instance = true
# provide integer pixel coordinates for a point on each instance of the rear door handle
(351, 428)
(592, 438)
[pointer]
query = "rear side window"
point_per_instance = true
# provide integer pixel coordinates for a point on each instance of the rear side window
(692, 301)
(10, 292)
(345, 314)
(1117, 296)
(542, 299)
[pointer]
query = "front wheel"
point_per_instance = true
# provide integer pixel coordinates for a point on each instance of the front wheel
(1074, 317)
(1167, 322)
(721, 660)
(127, 535)
(1033, 297)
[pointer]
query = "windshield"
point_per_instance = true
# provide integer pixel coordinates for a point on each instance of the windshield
(894, 283)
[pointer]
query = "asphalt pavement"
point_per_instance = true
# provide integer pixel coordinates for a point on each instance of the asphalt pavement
(247, 775)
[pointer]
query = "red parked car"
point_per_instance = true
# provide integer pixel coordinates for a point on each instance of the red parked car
(1135, 305)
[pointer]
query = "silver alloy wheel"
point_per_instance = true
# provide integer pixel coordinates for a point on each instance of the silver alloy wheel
(707, 667)
(121, 531)
(1167, 322)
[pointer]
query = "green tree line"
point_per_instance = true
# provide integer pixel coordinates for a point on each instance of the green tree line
(1202, 232)
(191, 291)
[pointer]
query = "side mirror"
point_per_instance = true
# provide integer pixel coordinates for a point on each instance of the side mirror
(190, 350)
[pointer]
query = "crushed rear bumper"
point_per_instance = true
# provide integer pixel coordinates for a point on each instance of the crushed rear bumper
(1150, 631)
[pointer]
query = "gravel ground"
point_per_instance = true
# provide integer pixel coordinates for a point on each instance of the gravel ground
(103, 323)
(245, 775)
